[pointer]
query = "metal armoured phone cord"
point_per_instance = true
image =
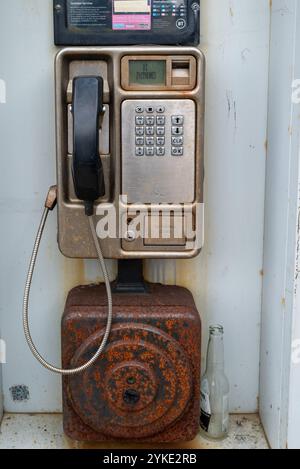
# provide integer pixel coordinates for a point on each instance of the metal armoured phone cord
(49, 205)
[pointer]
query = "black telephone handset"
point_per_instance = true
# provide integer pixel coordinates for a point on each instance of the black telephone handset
(87, 166)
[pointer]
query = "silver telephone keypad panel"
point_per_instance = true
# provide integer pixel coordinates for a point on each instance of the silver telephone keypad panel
(158, 151)
(150, 132)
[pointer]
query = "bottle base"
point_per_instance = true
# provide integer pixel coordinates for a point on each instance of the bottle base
(210, 437)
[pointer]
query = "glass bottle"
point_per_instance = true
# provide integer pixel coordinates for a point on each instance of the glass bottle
(214, 420)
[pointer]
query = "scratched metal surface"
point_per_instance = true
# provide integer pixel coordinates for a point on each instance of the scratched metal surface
(225, 280)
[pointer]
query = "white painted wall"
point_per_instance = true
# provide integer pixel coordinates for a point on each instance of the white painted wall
(293, 434)
(1, 395)
(280, 376)
(225, 279)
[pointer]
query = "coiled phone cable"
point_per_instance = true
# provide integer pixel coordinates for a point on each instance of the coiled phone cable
(49, 206)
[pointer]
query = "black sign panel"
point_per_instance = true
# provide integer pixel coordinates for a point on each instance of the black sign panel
(122, 22)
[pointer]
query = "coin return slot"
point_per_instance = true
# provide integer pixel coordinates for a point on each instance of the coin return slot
(165, 233)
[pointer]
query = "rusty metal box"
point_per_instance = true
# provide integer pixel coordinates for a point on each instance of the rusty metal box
(146, 385)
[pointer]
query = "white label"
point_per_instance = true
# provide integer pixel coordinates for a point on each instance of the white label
(205, 403)
(205, 406)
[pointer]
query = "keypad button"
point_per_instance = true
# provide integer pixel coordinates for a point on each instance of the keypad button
(139, 141)
(139, 131)
(160, 141)
(160, 131)
(149, 130)
(177, 120)
(150, 120)
(150, 109)
(139, 109)
(177, 141)
(177, 130)
(160, 120)
(160, 110)
(177, 151)
(150, 151)
(160, 151)
(139, 151)
(149, 141)
(139, 120)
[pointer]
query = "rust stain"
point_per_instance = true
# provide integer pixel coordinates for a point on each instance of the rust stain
(266, 146)
(146, 385)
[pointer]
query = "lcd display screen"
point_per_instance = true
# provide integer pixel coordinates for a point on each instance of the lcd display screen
(147, 72)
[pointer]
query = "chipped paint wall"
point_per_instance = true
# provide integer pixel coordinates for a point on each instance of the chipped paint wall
(225, 280)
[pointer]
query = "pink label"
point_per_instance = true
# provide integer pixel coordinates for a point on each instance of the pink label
(123, 19)
(134, 22)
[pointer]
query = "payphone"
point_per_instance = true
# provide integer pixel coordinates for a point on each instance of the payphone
(129, 123)
(147, 126)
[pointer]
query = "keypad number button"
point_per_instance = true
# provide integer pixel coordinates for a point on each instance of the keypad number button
(150, 151)
(149, 141)
(160, 120)
(160, 151)
(149, 131)
(160, 141)
(150, 120)
(139, 141)
(139, 120)
(139, 131)
(160, 131)
(139, 151)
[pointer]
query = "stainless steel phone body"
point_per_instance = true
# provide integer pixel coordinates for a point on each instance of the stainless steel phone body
(151, 147)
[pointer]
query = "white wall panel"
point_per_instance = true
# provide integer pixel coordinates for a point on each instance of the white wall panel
(225, 279)
(1, 395)
(279, 382)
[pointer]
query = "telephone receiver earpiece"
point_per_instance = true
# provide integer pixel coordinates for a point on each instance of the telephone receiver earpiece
(87, 168)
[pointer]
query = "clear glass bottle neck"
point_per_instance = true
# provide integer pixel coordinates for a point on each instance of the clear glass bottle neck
(215, 351)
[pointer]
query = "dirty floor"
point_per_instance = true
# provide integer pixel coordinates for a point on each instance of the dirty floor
(45, 432)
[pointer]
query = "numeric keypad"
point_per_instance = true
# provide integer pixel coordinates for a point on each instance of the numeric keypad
(157, 133)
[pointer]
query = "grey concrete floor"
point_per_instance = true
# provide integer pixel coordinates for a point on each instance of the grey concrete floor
(45, 431)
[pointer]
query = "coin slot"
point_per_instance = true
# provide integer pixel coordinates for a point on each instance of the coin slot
(183, 71)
